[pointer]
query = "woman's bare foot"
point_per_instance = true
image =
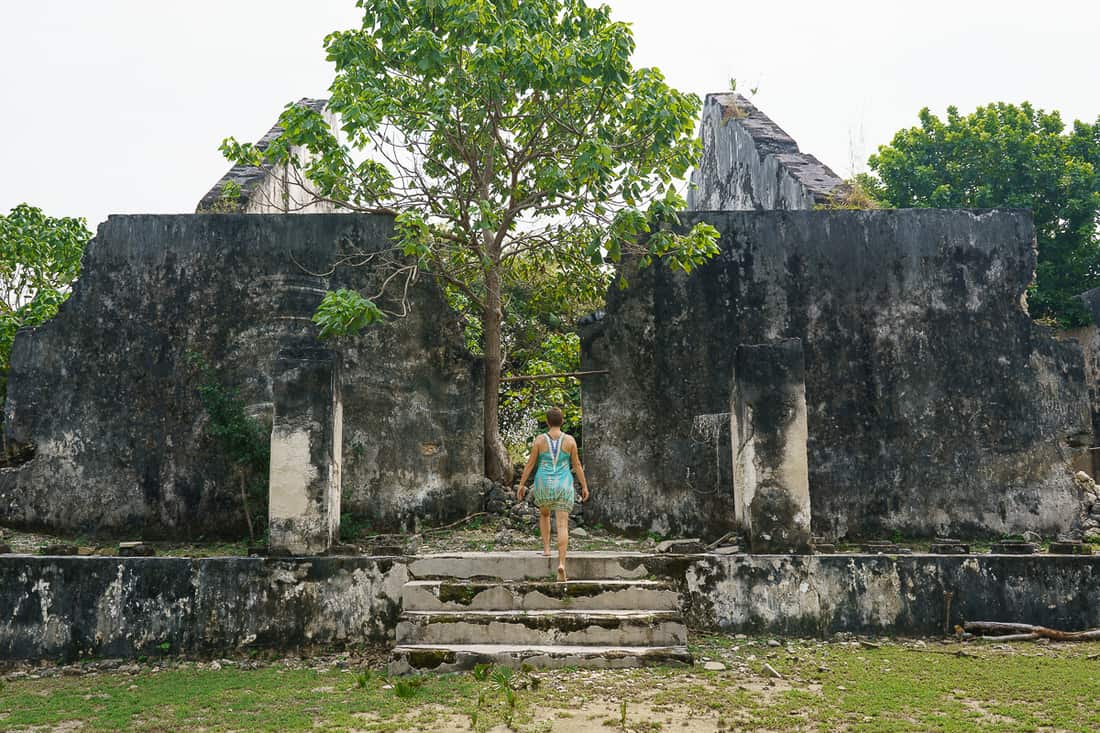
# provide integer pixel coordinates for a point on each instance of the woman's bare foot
(546, 552)
(561, 574)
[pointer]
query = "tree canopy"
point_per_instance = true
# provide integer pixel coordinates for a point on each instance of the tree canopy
(499, 133)
(39, 259)
(1004, 155)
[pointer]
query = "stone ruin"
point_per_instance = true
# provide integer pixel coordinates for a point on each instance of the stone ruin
(103, 402)
(834, 372)
(934, 404)
(270, 188)
(923, 399)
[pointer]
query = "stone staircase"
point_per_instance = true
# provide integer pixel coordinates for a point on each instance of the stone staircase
(506, 608)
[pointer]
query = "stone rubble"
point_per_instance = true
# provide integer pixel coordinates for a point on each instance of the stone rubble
(1089, 518)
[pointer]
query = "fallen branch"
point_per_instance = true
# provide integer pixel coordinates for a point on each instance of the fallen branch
(454, 524)
(723, 538)
(998, 631)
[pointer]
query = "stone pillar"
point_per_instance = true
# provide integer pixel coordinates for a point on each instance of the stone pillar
(771, 475)
(306, 438)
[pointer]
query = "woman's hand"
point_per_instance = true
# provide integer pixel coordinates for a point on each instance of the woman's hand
(584, 494)
(521, 491)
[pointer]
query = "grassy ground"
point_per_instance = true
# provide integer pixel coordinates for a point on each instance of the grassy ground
(810, 686)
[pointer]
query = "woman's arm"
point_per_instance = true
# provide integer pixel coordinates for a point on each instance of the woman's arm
(531, 461)
(579, 470)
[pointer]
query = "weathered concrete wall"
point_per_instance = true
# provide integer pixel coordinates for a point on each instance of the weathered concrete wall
(905, 595)
(935, 404)
(771, 474)
(106, 397)
(67, 607)
(1089, 338)
(749, 163)
(306, 433)
(271, 189)
(63, 608)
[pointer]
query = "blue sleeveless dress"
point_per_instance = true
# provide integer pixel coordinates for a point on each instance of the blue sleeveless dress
(554, 478)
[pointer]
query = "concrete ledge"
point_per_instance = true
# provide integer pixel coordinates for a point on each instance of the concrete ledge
(67, 607)
(877, 594)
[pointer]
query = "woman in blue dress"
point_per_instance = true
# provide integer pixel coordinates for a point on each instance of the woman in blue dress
(555, 454)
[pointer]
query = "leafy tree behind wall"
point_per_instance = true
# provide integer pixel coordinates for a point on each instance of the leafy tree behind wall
(495, 130)
(1004, 155)
(540, 337)
(39, 259)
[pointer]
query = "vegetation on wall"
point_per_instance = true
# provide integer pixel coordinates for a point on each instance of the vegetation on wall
(39, 260)
(1014, 156)
(501, 135)
(243, 440)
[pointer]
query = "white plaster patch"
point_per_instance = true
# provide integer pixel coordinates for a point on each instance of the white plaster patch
(291, 474)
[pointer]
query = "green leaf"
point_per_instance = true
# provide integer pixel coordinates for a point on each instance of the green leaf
(346, 313)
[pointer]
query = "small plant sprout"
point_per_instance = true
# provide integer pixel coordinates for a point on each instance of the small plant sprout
(407, 688)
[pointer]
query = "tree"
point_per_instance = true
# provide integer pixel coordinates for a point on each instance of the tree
(39, 259)
(545, 303)
(1004, 155)
(494, 130)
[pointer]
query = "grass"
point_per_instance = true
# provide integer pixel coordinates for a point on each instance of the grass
(891, 687)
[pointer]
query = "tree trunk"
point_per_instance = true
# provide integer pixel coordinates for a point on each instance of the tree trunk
(498, 467)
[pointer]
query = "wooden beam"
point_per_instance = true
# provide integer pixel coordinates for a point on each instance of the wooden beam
(561, 375)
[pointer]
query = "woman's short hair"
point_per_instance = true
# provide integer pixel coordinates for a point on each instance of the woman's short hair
(554, 417)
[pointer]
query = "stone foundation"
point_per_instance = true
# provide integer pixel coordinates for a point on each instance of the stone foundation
(64, 608)
(896, 595)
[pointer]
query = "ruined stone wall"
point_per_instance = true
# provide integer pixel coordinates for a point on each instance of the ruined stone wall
(749, 163)
(861, 594)
(105, 396)
(66, 608)
(270, 189)
(1089, 339)
(935, 404)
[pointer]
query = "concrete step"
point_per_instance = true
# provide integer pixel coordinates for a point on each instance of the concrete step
(625, 628)
(525, 595)
(534, 566)
(458, 657)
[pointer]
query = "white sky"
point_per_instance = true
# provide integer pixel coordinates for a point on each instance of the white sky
(118, 106)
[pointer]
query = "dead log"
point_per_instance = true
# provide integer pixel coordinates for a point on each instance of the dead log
(1000, 631)
(1009, 637)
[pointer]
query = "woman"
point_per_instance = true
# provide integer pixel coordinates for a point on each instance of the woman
(555, 453)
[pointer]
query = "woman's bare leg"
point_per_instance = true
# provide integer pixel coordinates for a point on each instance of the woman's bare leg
(563, 542)
(544, 530)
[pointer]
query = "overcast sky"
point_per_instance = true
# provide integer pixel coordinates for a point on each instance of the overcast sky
(118, 106)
